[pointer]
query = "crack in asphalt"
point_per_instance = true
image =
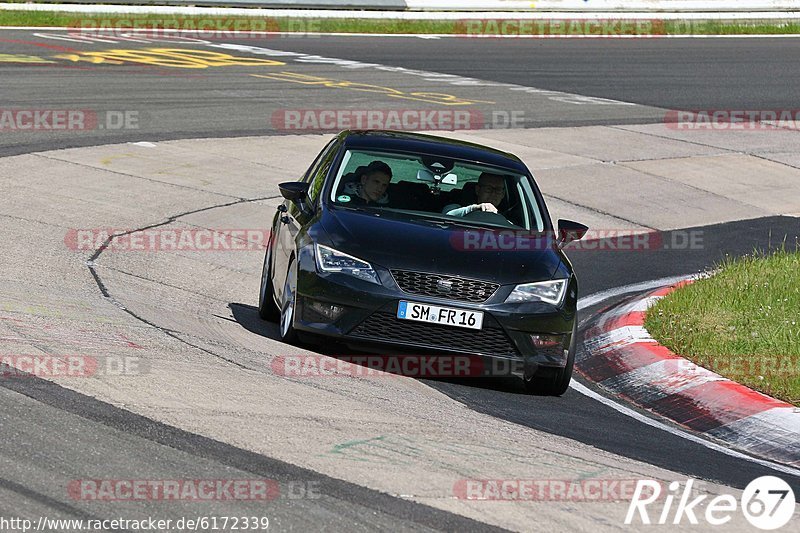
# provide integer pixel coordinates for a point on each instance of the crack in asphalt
(625, 128)
(49, 393)
(32, 221)
(762, 157)
(91, 264)
(163, 283)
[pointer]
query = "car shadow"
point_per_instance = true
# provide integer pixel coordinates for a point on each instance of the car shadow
(508, 384)
(247, 317)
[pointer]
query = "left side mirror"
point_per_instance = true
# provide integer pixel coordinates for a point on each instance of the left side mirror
(569, 231)
(294, 191)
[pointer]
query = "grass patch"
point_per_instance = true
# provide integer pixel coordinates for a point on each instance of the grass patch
(743, 322)
(388, 26)
(716, 27)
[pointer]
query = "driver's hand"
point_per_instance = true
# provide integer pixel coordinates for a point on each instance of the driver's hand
(488, 207)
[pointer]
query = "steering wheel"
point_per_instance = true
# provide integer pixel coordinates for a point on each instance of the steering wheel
(489, 217)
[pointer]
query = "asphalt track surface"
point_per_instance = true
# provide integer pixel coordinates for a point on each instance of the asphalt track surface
(641, 78)
(655, 75)
(581, 418)
(69, 427)
(680, 73)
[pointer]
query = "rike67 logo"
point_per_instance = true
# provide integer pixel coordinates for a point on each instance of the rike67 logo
(767, 503)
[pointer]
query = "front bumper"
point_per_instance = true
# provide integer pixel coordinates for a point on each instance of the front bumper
(368, 318)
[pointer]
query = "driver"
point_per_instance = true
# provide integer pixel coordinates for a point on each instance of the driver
(490, 191)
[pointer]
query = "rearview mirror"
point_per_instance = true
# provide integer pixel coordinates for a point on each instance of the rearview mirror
(569, 231)
(425, 175)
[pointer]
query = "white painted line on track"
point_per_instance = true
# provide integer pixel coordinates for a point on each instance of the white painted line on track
(602, 296)
(583, 389)
(598, 297)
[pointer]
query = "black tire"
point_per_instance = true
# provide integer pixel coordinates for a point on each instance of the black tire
(267, 309)
(286, 324)
(554, 381)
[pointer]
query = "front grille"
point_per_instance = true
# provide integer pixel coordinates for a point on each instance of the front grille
(441, 286)
(386, 327)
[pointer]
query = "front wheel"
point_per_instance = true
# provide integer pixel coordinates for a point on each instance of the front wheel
(267, 309)
(287, 331)
(554, 381)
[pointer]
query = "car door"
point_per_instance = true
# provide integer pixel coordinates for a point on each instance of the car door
(291, 218)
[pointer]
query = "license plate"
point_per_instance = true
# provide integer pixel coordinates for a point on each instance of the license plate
(433, 314)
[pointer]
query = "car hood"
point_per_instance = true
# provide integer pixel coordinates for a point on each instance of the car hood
(393, 241)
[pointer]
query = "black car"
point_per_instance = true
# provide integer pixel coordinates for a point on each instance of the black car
(402, 241)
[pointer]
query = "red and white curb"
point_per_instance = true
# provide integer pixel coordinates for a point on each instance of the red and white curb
(622, 358)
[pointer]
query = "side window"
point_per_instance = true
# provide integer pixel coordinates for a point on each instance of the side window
(311, 170)
(318, 171)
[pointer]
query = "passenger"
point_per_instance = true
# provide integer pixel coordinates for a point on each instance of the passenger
(490, 191)
(370, 190)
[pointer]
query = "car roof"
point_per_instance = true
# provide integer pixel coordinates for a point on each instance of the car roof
(428, 144)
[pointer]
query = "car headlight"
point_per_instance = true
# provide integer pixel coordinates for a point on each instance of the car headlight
(551, 292)
(330, 260)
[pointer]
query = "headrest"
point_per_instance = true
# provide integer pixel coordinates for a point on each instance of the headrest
(355, 175)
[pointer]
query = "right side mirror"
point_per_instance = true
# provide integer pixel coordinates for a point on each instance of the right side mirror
(569, 231)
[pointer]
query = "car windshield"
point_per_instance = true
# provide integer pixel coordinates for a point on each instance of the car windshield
(434, 187)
